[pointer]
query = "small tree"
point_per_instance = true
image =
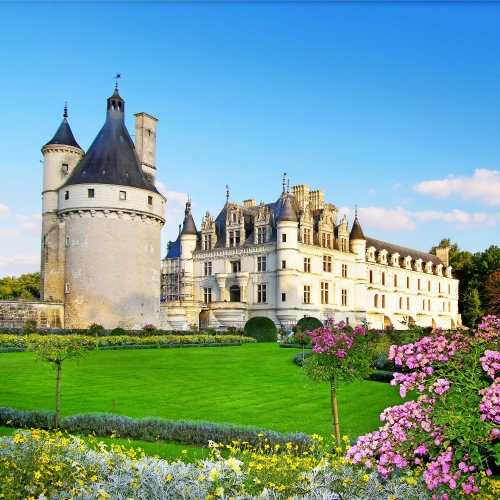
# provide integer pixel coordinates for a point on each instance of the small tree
(341, 355)
(30, 327)
(55, 350)
(95, 330)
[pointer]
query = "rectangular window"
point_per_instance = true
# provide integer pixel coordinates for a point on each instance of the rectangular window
(64, 168)
(383, 278)
(236, 266)
(90, 193)
(283, 238)
(371, 277)
(407, 282)
(261, 235)
(375, 300)
(283, 264)
(207, 268)
(150, 200)
(326, 240)
(67, 241)
(283, 297)
(327, 264)
(261, 263)
(307, 265)
(207, 295)
(401, 302)
(429, 286)
(122, 195)
(429, 305)
(307, 294)
(307, 236)
(449, 289)
(383, 301)
(395, 280)
(234, 238)
(66, 195)
(324, 292)
(423, 304)
(439, 287)
(407, 302)
(67, 288)
(344, 297)
(344, 270)
(261, 294)
(419, 284)
(207, 242)
(344, 245)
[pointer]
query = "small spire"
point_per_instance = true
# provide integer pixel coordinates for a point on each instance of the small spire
(356, 212)
(116, 80)
(227, 194)
(65, 114)
(187, 211)
(284, 181)
(288, 187)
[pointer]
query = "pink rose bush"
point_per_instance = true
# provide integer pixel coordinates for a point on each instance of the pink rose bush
(453, 427)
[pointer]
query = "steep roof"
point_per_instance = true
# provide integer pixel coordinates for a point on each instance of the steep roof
(356, 231)
(111, 159)
(402, 251)
(189, 227)
(174, 250)
(284, 209)
(64, 135)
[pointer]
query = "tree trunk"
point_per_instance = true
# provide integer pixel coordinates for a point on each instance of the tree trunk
(303, 353)
(58, 390)
(335, 414)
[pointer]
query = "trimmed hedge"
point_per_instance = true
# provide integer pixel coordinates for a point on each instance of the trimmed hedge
(262, 329)
(309, 323)
(382, 376)
(153, 429)
(298, 360)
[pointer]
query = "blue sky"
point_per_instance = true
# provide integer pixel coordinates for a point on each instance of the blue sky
(393, 107)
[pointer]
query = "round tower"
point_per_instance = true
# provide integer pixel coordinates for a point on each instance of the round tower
(113, 218)
(358, 246)
(287, 296)
(358, 240)
(188, 239)
(60, 156)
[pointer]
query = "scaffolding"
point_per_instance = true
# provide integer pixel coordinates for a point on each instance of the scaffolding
(176, 284)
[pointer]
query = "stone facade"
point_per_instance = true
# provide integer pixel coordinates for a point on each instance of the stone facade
(292, 258)
(14, 314)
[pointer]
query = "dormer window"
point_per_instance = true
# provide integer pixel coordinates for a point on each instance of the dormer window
(234, 217)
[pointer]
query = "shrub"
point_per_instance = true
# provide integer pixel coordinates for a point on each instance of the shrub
(262, 329)
(382, 376)
(309, 323)
(118, 331)
(298, 359)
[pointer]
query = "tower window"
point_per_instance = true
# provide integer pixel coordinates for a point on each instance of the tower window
(67, 288)
(90, 193)
(64, 168)
(123, 195)
(283, 238)
(67, 241)
(150, 200)
(283, 297)
(66, 195)
(283, 264)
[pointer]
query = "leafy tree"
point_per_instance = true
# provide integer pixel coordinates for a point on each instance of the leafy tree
(55, 351)
(492, 294)
(471, 307)
(26, 286)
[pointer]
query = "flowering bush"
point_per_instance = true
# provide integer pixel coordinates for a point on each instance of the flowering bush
(341, 355)
(454, 425)
(30, 326)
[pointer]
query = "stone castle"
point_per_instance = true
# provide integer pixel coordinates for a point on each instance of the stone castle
(102, 217)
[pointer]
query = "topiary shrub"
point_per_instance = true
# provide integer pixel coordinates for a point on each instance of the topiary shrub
(262, 329)
(309, 323)
(118, 331)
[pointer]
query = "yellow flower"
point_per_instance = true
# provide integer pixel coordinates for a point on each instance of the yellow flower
(184, 452)
(219, 491)
(213, 474)
(168, 477)
(411, 480)
(201, 478)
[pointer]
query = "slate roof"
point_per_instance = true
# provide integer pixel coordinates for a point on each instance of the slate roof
(112, 158)
(64, 135)
(175, 249)
(402, 251)
(189, 227)
(356, 231)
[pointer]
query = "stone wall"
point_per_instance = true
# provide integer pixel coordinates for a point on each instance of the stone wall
(13, 313)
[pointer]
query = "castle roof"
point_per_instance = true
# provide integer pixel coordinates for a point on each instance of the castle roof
(356, 231)
(284, 209)
(174, 249)
(111, 159)
(402, 251)
(64, 135)
(189, 227)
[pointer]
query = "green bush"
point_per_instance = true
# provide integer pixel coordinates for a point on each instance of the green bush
(309, 323)
(118, 331)
(299, 360)
(382, 376)
(262, 329)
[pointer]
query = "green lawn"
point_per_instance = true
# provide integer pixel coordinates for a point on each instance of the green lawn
(253, 384)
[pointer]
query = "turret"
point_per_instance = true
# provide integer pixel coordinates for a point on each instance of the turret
(188, 239)
(60, 156)
(358, 240)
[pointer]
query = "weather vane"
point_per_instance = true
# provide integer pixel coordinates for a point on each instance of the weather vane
(227, 193)
(284, 181)
(116, 80)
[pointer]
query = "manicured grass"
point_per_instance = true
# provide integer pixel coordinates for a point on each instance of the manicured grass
(254, 384)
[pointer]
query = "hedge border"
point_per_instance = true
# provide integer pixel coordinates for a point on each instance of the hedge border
(187, 432)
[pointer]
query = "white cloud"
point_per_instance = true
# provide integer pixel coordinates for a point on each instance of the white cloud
(175, 205)
(4, 211)
(371, 191)
(17, 264)
(397, 185)
(483, 187)
(462, 219)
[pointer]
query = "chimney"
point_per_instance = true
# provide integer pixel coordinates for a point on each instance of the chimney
(444, 255)
(145, 144)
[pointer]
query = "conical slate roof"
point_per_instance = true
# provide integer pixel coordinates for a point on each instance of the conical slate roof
(64, 135)
(189, 227)
(111, 159)
(284, 209)
(356, 231)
